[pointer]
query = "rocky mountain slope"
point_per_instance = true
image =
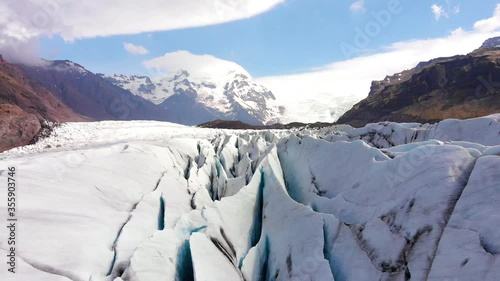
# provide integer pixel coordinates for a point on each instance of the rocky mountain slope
(229, 95)
(24, 104)
(91, 95)
(455, 87)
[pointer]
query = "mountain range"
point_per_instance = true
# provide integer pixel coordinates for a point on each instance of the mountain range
(233, 95)
(180, 98)
(90, 95)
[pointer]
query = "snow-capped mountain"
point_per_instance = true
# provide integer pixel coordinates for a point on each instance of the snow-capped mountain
(188, 98)
(160, 201)
(141, 86)
(231, 95)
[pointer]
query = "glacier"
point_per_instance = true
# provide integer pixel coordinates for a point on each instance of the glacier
(142, 200)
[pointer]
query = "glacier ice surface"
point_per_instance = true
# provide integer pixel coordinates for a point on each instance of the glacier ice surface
(140, 201)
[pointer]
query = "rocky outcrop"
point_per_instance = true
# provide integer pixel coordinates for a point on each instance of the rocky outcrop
(17, 127)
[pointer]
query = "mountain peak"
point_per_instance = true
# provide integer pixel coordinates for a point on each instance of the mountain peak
(181, 74)
(491, 43)
(66, 65)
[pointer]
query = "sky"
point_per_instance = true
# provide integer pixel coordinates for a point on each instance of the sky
(323, 48)
(294, 36)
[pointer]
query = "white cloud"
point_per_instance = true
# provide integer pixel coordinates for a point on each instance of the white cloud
(16, 51)
(441, 11)
(135, 49)
(350, 80)
(490, 24)
(200, 66)
(438, 11)
(357, 6)
(23, 20)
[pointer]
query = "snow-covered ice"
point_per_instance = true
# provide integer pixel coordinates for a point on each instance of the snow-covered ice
(141, 201)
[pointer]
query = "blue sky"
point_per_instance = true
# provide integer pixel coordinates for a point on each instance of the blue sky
(290, 38)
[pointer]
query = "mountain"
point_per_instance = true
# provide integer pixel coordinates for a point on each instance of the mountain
(491, 43)
(183, 98)
(147, 201)
(141, 86)
(455, 87)
(30, 96)
(230, 94)
(24, 105)
(91, 95)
